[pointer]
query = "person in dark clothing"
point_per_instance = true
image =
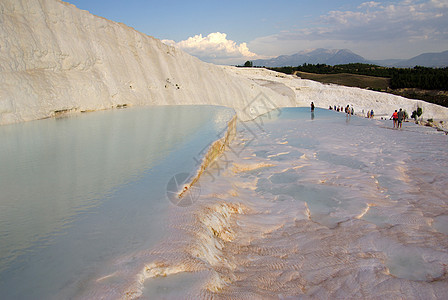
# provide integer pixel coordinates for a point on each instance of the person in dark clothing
(400, 118)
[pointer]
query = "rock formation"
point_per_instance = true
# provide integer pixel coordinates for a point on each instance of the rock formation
(56, 59)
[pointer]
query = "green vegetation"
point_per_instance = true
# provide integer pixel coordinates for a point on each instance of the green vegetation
(420, 77)
(248, 64)
(417, 113)
(417, 77)
(353, 80)
(428, 84)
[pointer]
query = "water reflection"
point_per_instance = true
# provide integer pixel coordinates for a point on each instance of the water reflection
(56, 172)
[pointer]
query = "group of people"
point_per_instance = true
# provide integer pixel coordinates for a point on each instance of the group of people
(398, 118)
(347, 109)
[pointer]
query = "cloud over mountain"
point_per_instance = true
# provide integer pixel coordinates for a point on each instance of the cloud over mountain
(215, 48)
(313, 56)
(375, 29)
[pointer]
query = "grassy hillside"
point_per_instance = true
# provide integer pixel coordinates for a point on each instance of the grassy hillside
(431, 96)
(379, 84)
(427, 84)
(353, 80)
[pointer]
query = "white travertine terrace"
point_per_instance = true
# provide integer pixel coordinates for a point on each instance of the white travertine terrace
(357, 213)
(56, 58)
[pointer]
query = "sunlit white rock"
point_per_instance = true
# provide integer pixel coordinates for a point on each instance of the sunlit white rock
(55, 58)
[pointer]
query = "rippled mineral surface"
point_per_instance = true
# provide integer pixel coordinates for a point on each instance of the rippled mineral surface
(311, 206)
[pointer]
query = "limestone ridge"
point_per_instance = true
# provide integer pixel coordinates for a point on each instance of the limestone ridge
(56, 58)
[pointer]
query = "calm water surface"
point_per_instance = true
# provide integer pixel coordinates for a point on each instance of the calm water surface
(299, 206)
(79, 191)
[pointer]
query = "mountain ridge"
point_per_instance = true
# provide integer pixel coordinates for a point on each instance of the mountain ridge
(312, 56)
(346, 56)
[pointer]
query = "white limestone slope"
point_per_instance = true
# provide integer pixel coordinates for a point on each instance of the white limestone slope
(56, 58)
(325, 95)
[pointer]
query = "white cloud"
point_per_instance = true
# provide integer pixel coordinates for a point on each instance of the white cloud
(375, 30)
(370, 4)
(440, 3)
(215, 48)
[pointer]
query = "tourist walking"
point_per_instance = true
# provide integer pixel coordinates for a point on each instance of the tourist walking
(312, 106)
(395, 118)
(400, 118)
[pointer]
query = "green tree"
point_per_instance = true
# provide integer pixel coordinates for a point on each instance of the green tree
(248, 64)
(417, 113)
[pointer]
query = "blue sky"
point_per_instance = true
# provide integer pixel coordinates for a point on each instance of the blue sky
(231, 32)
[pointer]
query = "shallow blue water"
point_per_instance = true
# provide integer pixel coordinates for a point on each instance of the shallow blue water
(331, 207)
(323, 206)
(78, 191)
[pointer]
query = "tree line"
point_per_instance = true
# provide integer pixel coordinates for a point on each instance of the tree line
(417, 77)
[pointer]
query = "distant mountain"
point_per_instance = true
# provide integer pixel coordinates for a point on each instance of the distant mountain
(344, 56)
(314, 56)
(430, 60)
(387, 62)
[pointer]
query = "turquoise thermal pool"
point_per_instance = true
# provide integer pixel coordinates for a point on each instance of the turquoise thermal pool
(298, 206)
(77, 192)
